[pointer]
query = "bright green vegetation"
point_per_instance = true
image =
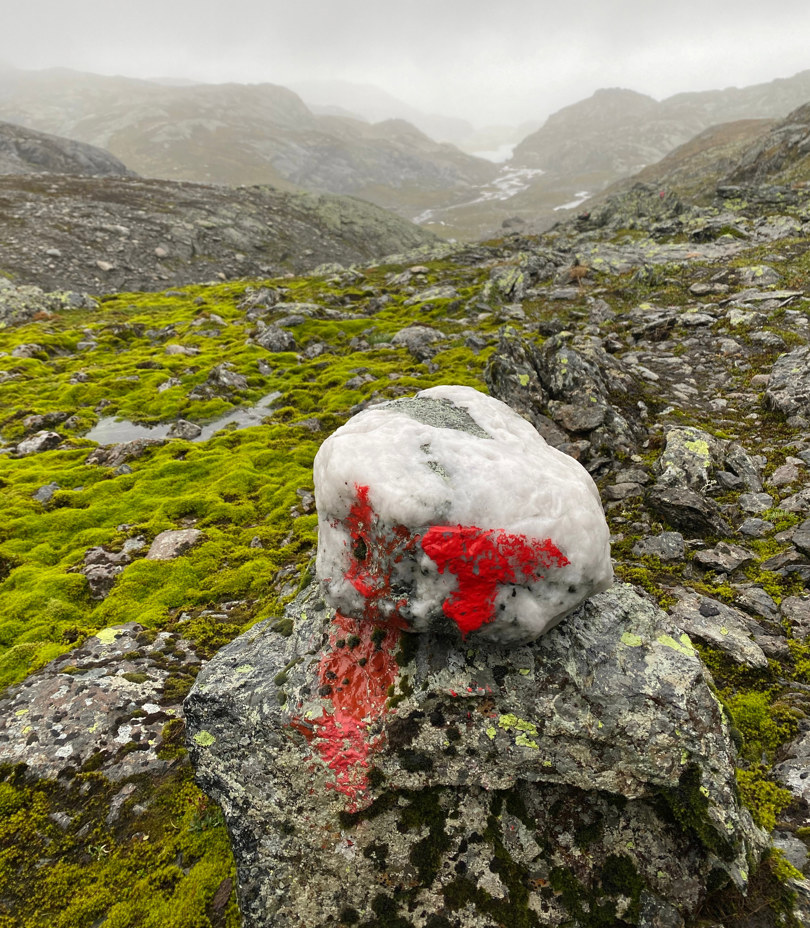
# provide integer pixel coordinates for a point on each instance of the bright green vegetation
(234, 487)
(170, 865)
(168, 868)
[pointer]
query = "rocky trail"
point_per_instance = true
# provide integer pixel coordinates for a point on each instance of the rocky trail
(665, 346)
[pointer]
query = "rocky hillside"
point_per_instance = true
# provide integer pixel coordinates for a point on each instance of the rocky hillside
(766, 156)
(24, 151)
(157, 502)
(781, 156)
(614, 130)
(125, 233)
(242, 134)
(695, 168)
(586, 147)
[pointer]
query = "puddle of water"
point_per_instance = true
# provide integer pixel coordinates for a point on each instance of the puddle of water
(112, 431)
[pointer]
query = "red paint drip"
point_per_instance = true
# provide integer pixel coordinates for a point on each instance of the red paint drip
(374, 551)
(481, 560)
(359, 678)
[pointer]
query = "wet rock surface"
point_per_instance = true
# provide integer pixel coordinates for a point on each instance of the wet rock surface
(412, 764)
(106, 703)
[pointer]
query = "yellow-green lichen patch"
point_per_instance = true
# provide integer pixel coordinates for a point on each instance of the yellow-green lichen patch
(204, 738)
(631, 640)
(684, 646)
(526, 731)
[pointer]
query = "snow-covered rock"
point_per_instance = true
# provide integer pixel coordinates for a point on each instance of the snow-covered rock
(449, 510)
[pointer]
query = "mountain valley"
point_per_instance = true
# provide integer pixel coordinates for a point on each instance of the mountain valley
(660, 335)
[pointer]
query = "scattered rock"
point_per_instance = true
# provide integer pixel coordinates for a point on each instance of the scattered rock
(116, 455)
(45, 493)
(788, 389)
(171, 544)
(687, 510)
(688, 459)
(103, 701)
(185, 430)
(667, 546)
(801, 537)
(755, 502)
(796, 609)
(42, 441)
(419, 340)
(274, 338)
(724, 557)
(719, 626)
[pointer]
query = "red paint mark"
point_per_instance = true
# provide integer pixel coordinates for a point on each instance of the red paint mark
(359, 678)
(481, 560)
(355, 680)
(374, 552)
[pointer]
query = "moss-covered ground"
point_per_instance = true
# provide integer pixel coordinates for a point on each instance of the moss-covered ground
(244, 489)
(168, 861)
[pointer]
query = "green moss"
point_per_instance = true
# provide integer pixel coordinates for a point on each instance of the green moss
(765, 724)
(281, 678)
(762, 796)
(92, 871)
(689, 806)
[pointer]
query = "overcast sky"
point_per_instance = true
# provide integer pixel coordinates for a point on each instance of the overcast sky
(489, 62)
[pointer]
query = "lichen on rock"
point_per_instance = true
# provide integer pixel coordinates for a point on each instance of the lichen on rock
(381, 772)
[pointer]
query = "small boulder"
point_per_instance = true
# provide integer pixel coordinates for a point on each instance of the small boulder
(185, 429)
(667, 546)
(274, 338)
(171, 544)
(42, 441)
(450, 510)
(788, 389)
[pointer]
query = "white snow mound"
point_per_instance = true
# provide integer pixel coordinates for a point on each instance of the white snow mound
(450, 511)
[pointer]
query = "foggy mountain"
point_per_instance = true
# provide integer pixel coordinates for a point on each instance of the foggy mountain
(236, 134)
(243, 134)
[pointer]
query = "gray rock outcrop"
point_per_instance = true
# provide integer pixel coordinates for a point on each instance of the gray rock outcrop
(789, 385)
(25, 151)
(385, 780)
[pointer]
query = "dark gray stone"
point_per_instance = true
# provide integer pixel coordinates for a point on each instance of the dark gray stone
(274, 338)
(788, 389)
(420, 340)
(756, 528)
(116, 455)
(724, 557)
(755, 502)
(719, 626)
(796, 609)
(45, 494)
(667, 546)
(687, 510)
(478, 756)
(801, 537)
